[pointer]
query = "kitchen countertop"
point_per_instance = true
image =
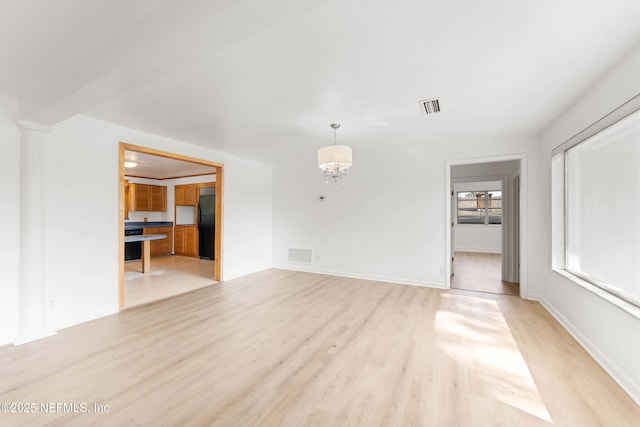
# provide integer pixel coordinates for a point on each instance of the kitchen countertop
(143, 237)
(134, 225)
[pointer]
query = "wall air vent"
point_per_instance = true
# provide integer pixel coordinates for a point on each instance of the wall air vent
(300, 255)
(430, 106)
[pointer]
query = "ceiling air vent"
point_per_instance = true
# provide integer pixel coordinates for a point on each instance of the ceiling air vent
(430, 106)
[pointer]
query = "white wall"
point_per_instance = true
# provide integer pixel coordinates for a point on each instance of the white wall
(388, 220)
(9, 218)
(607, 332)
(81, 230)
(477, 237)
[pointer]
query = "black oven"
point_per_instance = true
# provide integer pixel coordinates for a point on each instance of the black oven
(133, 250)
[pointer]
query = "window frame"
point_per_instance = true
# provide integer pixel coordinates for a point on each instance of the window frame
(560, 208)
(486, 215)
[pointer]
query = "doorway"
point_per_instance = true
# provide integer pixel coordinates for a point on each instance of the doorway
(485, 228)
(176, 167)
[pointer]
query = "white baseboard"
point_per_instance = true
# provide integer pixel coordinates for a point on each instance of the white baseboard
(396, 280)
(536, 297)
(627, 384)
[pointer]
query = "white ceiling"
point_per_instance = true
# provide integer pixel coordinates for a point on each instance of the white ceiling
(254, 77)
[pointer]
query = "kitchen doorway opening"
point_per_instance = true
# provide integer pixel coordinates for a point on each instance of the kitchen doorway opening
(182, 269)
(486, 220)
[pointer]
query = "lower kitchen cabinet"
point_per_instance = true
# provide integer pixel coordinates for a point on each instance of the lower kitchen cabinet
(185, 240)
(163, 246)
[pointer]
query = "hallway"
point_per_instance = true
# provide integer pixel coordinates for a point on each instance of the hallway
(474, 271)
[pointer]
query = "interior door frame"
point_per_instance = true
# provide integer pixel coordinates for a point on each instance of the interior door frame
(515, 182)
(217, 262)
(524, 285)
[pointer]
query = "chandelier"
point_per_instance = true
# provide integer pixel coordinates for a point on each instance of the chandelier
(334, 160)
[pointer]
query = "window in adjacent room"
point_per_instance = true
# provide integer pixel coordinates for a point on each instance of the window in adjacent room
(479, 207)
(597, 180)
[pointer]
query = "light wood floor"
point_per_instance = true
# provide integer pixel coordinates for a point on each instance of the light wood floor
(169, 276)
(281, 348)
(481, 272)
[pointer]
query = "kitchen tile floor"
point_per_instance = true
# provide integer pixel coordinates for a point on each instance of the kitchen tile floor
(169, 276)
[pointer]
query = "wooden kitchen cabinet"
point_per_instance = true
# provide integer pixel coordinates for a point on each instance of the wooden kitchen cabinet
(178, 239)
(149, 198)
(186, 195)
(191, 241)
(163, 246)
(185, 240)
(158, 198)
(179, 194)
(139, 197)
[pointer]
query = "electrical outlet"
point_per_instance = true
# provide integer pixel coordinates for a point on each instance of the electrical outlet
(317, 258)
(442, 271)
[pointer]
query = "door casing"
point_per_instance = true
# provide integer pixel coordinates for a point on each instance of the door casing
(217, 262)
(522, 245)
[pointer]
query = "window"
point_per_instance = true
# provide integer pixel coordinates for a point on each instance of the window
(479, 207)
(601, 212)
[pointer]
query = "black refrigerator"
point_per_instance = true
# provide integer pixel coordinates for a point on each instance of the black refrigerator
(206, 225)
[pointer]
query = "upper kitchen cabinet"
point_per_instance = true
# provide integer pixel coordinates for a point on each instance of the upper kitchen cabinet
(148, 198)
(186, 194)
(158, 198)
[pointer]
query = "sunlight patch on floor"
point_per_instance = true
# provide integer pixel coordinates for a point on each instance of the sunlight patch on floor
(483, 346)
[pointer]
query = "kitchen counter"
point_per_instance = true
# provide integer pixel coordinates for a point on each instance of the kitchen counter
(144, 237)
(146, 247)
(134, 225)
